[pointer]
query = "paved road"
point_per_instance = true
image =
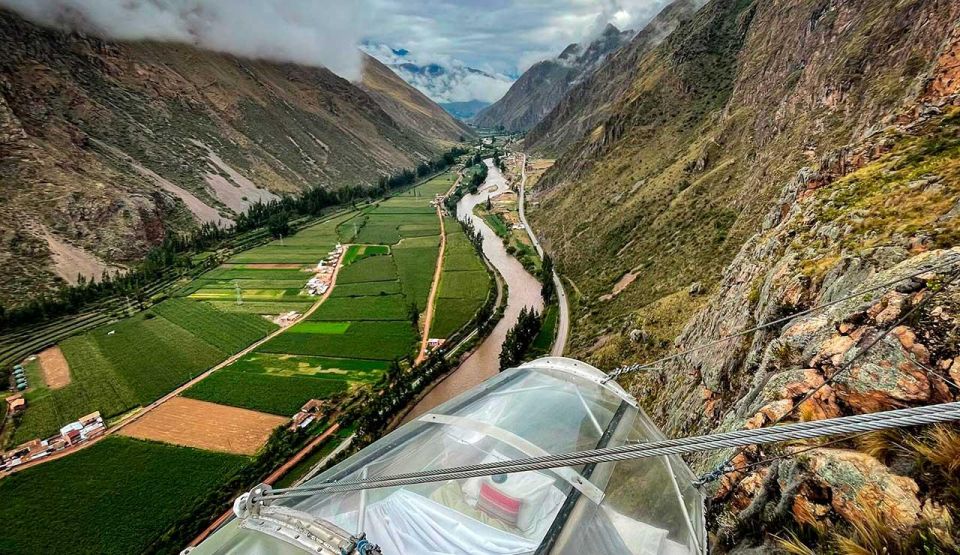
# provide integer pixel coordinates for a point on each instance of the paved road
(563, 322)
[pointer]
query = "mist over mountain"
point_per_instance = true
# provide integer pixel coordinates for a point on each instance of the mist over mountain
(444, 81)
(288, 31)
(542, 86)
(464, 110)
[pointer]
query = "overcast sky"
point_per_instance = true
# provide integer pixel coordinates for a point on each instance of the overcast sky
(503, 36)
(500, 37)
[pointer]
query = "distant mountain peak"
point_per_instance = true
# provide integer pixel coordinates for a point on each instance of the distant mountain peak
(610, 30)
(444, 82)
(542, 86)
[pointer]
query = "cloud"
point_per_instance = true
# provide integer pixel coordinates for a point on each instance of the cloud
(310, 32)
(442, 78)
(506, 35)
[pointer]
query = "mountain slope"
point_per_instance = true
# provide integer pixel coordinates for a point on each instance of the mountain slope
(542, 86)
(590, 101)
(766, 158)
(407, 105)
(107, 147)
(665, 190)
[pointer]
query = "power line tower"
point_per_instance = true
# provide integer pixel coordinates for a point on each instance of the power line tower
(239, 293)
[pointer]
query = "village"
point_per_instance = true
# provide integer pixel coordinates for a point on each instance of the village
(73, 434)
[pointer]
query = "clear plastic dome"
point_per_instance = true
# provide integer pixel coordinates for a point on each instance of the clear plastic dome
(547, 406)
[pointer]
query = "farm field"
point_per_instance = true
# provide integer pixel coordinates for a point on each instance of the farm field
(204, 425)
(366, 323)
(271, 277)
(464, 283)
(138, 485)
(281, 384)
(133, 362)
(149, 486)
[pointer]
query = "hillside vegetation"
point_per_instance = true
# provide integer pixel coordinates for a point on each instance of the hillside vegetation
(109, 147)
(767, 158)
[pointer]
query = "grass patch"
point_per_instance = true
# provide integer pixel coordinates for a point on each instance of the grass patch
(117, 496)
(386, 307)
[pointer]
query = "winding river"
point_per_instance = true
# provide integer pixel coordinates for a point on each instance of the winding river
(523, 291)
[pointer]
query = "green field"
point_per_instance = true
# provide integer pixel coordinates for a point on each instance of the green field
(370, 340)
(374, 307)
(375, 268)
(464, 283)
(358, 252)
(262, 307)
(123, 494)
(137, 360)
(229, 332)
(281, 384)
(262, 392)
(366, 289)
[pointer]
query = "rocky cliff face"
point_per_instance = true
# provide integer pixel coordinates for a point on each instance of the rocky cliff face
(665, 191)
(542, 86)
(772, 157)
(106, 147)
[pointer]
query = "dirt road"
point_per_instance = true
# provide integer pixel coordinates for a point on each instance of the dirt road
(145, 410)
(431, 298)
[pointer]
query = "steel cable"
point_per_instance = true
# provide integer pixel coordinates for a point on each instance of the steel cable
(916, 416)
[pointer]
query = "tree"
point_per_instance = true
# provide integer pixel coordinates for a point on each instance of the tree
(413, 313)
(519, 338)
(489, 204)
(279, 224)
(548, 289)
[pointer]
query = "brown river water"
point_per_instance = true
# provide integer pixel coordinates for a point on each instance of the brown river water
(523, 291)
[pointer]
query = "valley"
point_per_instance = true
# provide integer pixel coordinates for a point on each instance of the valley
(378, 269)
(266, 264)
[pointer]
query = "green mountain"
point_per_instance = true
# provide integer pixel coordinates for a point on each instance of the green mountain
(108, 147)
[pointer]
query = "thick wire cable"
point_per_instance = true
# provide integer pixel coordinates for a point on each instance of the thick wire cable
(929, 414)
(727, 466)
(642, 366)
(741, 438)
